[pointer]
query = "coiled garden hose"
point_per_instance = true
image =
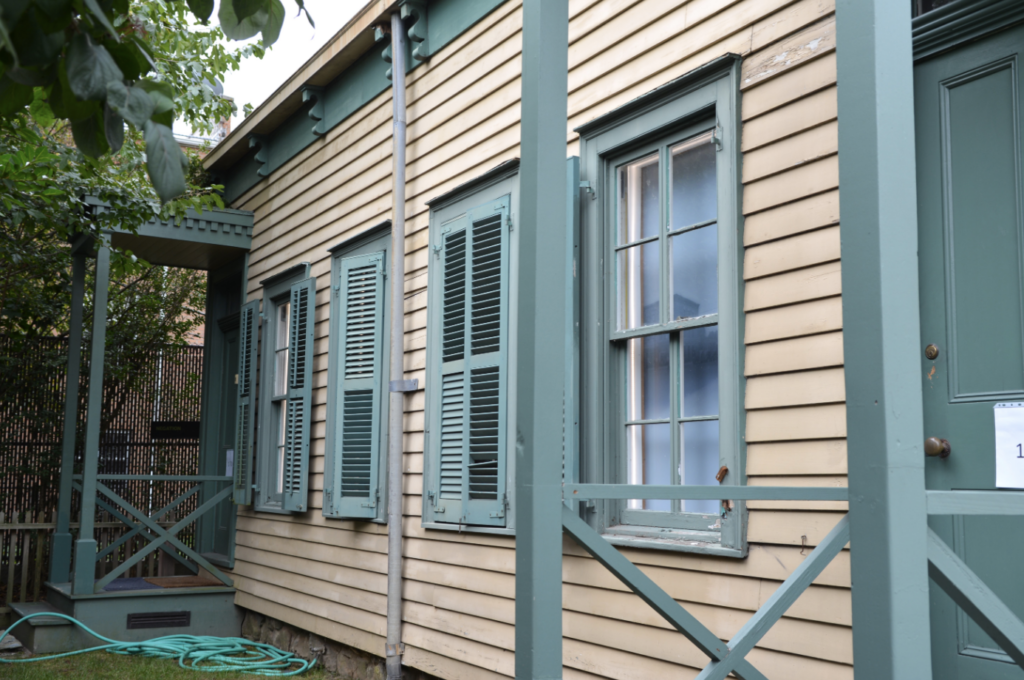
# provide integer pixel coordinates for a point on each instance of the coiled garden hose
(194, 652)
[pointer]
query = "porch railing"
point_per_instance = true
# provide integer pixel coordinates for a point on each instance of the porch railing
(944, 565)
(149, 530)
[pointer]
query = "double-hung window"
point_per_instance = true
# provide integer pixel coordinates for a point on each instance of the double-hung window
(661, 313)
(279, 446)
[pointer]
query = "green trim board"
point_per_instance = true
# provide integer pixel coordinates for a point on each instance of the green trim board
(882, 340)
(704, 99)
(358, 85)
(355, 460)
(961, 21)
(473, 276)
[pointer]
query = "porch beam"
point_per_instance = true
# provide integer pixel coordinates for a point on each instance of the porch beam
(649, 591)
(541, 362)
(703, 493)
(61, 548)
(85, 546)
(881, 340)
(976, 599)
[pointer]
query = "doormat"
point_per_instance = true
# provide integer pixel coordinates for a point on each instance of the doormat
(183, 581)
(126, 583)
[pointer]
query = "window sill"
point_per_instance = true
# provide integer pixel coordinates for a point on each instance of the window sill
(469, 528)
(674, 540)
(275, 509)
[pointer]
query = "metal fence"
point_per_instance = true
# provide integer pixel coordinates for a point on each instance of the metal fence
(141, 388)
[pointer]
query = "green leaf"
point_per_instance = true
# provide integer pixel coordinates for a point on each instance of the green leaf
(13, 96)
(247, 8)
(144, 54)
(202, 9)
(54, 15)
(33, 77)
(97, 12)
(272, 28)
(161, 93)
(240, 29)
(126, 58)
(5, 41)
(35, 46)
(113, 128)
(164, 161)
(89, 137)
(90, 68)
(64, 102)
(134, 104)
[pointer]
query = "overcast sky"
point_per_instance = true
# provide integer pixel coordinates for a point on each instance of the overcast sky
(257, 79)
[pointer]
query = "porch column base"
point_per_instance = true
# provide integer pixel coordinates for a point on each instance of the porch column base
(85, 567)
(60, 558)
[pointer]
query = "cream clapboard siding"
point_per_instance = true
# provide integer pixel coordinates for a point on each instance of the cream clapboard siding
(329, 576)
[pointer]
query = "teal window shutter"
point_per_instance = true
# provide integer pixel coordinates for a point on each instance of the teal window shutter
(470, 428)
(298, 418)
(353, 488)
(245, 423)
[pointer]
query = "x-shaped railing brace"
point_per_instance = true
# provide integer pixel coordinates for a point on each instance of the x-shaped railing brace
(725, 658)
(136, 529)
(162, 535)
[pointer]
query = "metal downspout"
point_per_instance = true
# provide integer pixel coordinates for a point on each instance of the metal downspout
(394, 647)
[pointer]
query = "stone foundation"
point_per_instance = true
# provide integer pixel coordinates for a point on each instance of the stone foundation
(340, 661)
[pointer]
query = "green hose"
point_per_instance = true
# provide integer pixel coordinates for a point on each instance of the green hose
(194, 652)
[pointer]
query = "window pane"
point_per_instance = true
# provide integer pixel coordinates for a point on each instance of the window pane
(649, 378)
(650, 461)
(639, 286)
(283, 312)
(639, 207)
(694, 182)
(698, 351)
(699, 461)
(282, 407)
(695, 273)
(280, 371)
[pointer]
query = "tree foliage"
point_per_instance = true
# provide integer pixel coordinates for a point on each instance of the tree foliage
(101, 64)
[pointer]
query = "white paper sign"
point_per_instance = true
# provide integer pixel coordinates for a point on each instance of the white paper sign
(1009, 445)
(229, 464)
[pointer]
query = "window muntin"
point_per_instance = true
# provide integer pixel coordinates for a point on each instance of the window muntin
(666, 250)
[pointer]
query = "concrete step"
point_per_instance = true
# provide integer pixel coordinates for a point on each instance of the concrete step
(47, 634)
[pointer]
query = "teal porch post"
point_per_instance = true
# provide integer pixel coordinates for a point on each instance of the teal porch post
(85, 546)
(881, 340)
(541, 357)
(60, 553)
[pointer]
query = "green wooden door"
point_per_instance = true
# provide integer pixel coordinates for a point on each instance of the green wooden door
(968, 117)
(227, 367)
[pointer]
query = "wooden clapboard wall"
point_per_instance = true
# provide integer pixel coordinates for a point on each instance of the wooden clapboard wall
(329, 576)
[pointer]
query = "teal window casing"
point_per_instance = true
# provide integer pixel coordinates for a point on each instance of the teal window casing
(700, 108)
(285, 391)
(355, 464)
(470, 387)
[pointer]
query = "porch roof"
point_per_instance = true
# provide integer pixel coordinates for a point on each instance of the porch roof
(204, 240)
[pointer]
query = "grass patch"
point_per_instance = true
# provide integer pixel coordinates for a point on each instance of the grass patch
(106, 666)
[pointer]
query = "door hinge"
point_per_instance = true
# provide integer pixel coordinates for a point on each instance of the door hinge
(501, 510)
(437, 250)
(508, 221)
(327, 497)
(587, 187)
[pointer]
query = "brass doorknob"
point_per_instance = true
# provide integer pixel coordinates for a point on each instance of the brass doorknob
(933, 446)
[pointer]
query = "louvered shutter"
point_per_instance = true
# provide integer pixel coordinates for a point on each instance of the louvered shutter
(470, 427)
(357, 441)
(300, 396)
(245, 423)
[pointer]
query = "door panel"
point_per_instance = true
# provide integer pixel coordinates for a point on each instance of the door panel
(968, 121)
